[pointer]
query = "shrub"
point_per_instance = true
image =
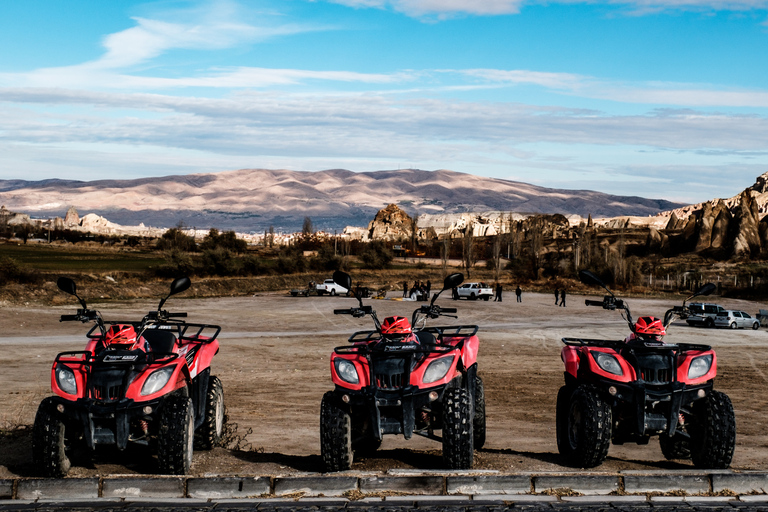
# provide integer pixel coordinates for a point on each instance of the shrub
(376, 256)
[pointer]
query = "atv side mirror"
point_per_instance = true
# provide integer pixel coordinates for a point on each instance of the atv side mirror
(179, 285)
(707, 289)
(343, 279)
(67, 285)
(453, 280)
(587, 277)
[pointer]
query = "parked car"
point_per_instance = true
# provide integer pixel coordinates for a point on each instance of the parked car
(703, 314)
(474, 291)
(331, 288)
(736, 320)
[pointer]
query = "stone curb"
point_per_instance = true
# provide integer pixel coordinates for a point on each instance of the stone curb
(413, 486)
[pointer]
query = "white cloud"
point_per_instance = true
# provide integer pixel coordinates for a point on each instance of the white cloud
(448, 8)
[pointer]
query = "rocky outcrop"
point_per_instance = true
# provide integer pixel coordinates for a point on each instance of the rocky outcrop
(746, 242)
(72, 218)
(391, 224)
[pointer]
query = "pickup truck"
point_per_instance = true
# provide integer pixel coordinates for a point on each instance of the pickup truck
(703, 314)
(331, 288)
(474, 291)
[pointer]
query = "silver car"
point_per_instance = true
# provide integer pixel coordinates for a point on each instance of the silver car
(736, 320)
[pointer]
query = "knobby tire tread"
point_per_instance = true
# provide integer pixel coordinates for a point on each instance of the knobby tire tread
(48, 442)
(207, 435)
(458, 439)
(594, 434)
(478, 422)
(173, 435)
(335, 434)
(713, 436)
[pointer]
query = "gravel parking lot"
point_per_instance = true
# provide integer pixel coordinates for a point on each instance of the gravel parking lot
(274, 363)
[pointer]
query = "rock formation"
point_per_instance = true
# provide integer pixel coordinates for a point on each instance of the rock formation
(72, 218)
(746, 242)
(391, 224)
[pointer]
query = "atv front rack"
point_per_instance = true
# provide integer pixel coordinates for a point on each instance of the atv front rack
(116, 358)
(453, 331)
(618, 344)
(200, 333)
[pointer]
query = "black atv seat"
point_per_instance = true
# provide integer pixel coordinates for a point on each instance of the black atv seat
(426, 338)
(160, 341)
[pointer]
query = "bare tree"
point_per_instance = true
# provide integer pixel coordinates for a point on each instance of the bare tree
(271, 239)
(467, 247)
(306, 228)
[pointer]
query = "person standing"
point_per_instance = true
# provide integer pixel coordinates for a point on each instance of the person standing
(519, 294)
(557, 296)
(429, 288)
(405, 289)
(498, 293)
(562, 297)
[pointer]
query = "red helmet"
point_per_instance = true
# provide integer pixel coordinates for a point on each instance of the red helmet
(396, 325)
(650, 326)
(121, 336)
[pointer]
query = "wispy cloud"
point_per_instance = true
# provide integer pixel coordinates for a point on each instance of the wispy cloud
(448, 8)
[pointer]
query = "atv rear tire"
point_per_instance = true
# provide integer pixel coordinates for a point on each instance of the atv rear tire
(209, 433)
(458, 439)
(713, 434)
(478, 422)
(676, 447)
(587, 435)
(335, 434)
(49, 451)
(175, 439)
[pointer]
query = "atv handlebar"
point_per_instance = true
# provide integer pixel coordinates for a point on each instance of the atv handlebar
(593, 303)
(83, 315)
(355, 312)
(69, 318)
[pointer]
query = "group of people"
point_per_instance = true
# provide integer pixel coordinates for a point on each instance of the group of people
(419, 290)
(559, 295)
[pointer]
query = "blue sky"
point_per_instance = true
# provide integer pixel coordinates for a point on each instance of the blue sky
(658, 98)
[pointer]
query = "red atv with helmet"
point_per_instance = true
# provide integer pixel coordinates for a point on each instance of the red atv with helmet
(404, 378)
(633, 389)
(137, 383)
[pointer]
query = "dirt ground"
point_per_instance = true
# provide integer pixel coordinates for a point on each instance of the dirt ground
(274, 364)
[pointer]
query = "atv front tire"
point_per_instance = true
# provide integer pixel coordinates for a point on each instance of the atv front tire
(335, 434)
(713, 433)
(478, 422)
(675, 447)
(176, 435)
(48, 441)
(587, 434)
(458, 439)
(209, 433)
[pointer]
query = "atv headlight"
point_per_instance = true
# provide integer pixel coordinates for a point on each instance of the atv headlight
(700, 366)
(65, 378)
(607, 363)
(346, 371)
(437, 369)
(156, 381)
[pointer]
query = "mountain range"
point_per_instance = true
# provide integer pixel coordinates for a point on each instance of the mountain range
(251, 200)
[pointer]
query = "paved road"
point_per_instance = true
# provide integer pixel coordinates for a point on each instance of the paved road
(671, 504)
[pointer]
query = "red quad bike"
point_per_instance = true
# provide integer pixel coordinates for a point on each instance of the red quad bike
(136, 383)
(402, 380)
(629, 390)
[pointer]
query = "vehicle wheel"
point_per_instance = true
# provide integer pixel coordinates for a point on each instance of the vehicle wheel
(755, 326)
(675, 447)
(333, 293)
(733, 325)
(709, 323)
(209, 433)
(587, 434)
(335, 434)
(713, 433)
(473, 297)
(49, 451)
(176, 436)
(561, 421)
(478, 422)
(458, 439)
(486, 297)
(295, 294)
